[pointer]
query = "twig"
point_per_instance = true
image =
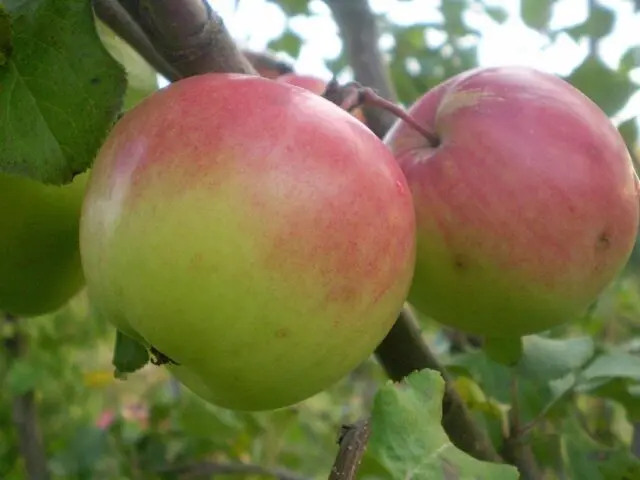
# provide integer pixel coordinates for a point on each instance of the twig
(118, 19)
(266, 64)
(24, 416)
(635, 440)
(515, 450)
(353, 443)
(360, 36)
(190, 35)
(214, 468)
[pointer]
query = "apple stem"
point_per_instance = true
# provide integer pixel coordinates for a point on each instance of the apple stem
(355, 95)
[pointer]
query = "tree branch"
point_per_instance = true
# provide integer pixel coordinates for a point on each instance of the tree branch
(189, 35)
(24, 416)
(360, 36)
(266, 64)
(111, 13)
(353, 443)
(403, 351)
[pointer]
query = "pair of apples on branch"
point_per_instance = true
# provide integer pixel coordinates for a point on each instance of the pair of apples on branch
(261, 240)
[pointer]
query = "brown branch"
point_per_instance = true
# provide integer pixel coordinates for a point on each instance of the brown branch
(111, 13)
(353, 443)
(360, 36)
(211, 469)
(515, 449)
(24, 415)
(404, 351)
(266, 64)
(190, 35)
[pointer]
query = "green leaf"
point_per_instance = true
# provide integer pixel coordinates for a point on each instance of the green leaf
(142, 77)
(408, 440)
(550, 359)
(599, 24)
(506, 351)
(128, 355)
(536, 14)
(630, 59)
(613, 365)
(589, 460)
(60, 91)
(289, 42)
(201, 419)
(498, 14)
(23, 376)
(629, 131)
(294, 7)
(5, 36)
(616, 376)
(452, 11)
(609, 89)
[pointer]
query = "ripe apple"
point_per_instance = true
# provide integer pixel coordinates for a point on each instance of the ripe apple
(254, 233)
(315, 85)
(527, 207)
(40, 266)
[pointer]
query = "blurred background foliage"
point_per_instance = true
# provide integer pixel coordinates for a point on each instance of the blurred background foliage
(148, 427)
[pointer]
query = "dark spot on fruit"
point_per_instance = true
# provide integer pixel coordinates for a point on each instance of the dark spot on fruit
(158, 358)
(461, 263)
(603, 242)
(95, 80)
(282, 333)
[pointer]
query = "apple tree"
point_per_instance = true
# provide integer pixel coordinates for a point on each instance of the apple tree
(214, 264)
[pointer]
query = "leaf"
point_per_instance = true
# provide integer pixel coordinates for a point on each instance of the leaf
(629, 131)
(408, 440)
(598, 24)
(536, 14)
(294, 7)
(23, 376)
(613, 365)
(142, 77)
(289, 42)
(609, 89)
(630, 59)
(550, 359)
(505, 351)
(590, 460)
(452, 11)
(498, 14)
(128, 355)
(59, 92)
(6, 44)
(614, 375)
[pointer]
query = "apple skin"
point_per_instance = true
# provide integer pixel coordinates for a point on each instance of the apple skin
(40, 267)
(256, 234)
(315, 85)
(526, 210)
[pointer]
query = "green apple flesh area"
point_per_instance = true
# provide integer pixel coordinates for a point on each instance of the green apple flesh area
(251, 231)
(526, 210)
(40, 267)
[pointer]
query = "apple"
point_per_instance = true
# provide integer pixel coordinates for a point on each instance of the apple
(526, 205)
(257, 235)
(315, 85)
(40, 267)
